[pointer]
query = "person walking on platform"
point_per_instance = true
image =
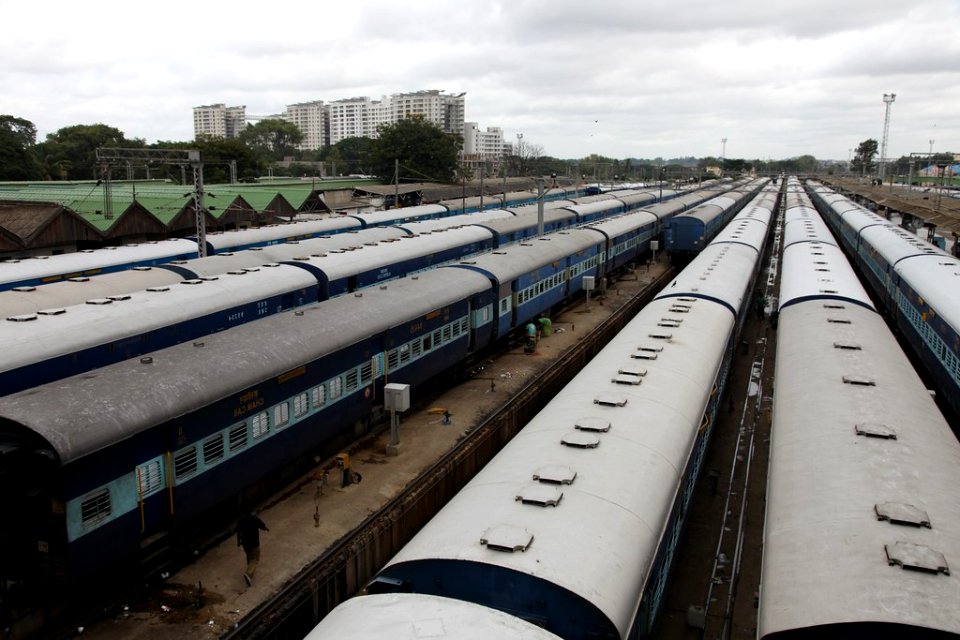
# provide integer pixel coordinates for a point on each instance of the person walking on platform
(248, 535)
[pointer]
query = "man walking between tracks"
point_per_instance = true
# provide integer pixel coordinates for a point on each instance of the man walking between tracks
(248, 535)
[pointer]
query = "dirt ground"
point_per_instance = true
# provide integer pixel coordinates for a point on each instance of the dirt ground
(206, 598)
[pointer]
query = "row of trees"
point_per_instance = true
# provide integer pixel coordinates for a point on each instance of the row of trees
(423, 150)
(412, 150)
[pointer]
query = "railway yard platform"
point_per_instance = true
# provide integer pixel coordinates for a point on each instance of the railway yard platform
(308, 522)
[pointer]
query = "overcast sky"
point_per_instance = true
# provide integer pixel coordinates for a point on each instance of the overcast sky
(629, 78)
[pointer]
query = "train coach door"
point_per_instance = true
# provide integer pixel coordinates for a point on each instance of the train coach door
(153, 507)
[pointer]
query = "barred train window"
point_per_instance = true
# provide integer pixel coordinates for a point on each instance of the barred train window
(281, 414)
(353, 379)
(238, 436)
(185, 462)
(213, 449)
(336, 388)
(319, 393)
(300, 405)
(150, 477)
(95, 508)
(261, 424)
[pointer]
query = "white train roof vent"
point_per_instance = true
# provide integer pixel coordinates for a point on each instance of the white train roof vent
(610, 400)
(900, 513)
(251, 269)
(833, 305)
(506, 538)
(580, 440)
(839, 321)
(680, 308)
(541, 495)
(209, 278)
(632, 370)
(670, 322)
(862, 381)
(192, 281)
(270, 265)
(918, 557)
(828, 290)
(660, 335)
(52, 312)
(99, 301)
(597, 425)
(142, 268)
(224, 253)
(848, 346)
(158, 289)
(120, 297)
(185, 262)
(691, 300)
(79, 279)
(555, 474)
(622, 379)
(875, 430)
(24, 289)
(25, 317)
(237, 272)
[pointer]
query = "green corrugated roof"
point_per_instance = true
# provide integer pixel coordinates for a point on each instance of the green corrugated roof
(165, 200)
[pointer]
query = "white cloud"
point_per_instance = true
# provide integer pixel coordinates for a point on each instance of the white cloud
(653, 78)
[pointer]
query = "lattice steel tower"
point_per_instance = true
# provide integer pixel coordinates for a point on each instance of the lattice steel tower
(888, 99)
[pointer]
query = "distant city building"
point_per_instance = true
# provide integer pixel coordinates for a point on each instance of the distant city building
(355, 118)
(445, 111)
(327, 123)
(311, 119)
(219, 120)
(487, 143)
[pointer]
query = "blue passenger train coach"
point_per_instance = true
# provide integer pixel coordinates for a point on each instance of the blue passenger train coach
(917, 284)
(117, 466)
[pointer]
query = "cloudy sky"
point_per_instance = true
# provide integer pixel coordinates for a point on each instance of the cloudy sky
(640, 78)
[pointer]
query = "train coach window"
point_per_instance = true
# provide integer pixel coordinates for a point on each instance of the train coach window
(260, 424)
(95, 508)
(353, 378)
(336, 387)
(238, 436)
(300, 405)
(213, 449)
(319, 394)
(185, 462)
(150, 477)
(281, 414)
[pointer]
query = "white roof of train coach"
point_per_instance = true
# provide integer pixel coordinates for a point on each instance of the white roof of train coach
(601, 539)
(105, 320)
(831, 552)
(411, 616)
(826, 273)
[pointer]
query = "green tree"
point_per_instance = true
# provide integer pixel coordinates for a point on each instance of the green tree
(424, 151)
(216, 152)
(274, 139)
(73, 150)
(18, 159)
(350, 155)
(863, 158)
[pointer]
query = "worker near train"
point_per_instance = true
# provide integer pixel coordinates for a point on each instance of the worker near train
(248, 536)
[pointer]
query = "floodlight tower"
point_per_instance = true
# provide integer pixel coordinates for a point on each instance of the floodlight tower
(888, 99)
(723, 154)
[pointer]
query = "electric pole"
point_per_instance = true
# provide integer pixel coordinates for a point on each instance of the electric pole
(888, 99)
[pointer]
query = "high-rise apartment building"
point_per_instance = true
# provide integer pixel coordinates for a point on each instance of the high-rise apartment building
(487, 144)
(355, 118)
(445, 111)
(311, 119)
(219, 120)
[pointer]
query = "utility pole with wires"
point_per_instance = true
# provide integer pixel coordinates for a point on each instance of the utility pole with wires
(108, 157)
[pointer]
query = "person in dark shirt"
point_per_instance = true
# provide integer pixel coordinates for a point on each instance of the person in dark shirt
(248, 536)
